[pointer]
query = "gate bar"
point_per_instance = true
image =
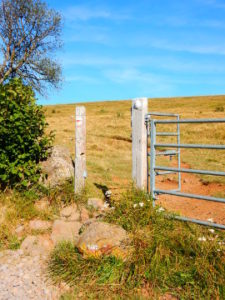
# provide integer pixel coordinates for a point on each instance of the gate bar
(162, 114)
(220, 226)
(192, 196)
(219, 147)
(165, 153)
(165, 172)
(204, 172)
(166, 133)
(190, 121)
(152, 165)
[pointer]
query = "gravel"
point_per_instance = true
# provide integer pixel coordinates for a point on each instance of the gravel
(23, 277)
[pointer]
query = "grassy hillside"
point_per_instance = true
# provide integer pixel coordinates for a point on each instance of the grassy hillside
(109, 135)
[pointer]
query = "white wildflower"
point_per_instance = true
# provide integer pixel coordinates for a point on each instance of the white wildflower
(112, 208)
(160, 209)
(135, 205)
(108, 194)
(106, 205)
(210, 220)
(212, 230)
(141, 204)
(202, 239)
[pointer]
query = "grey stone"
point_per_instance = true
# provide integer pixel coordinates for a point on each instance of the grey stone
(84, 215)
(37, 245)
(58, 167)
(96, 203)
(39, 225)
(70, 213)
(100, 238)
(65, 231)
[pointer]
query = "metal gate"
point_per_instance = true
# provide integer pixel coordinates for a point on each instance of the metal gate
(173, 149)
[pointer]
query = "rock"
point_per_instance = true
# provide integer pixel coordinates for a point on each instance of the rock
(19, 229)
(101, 238)
(58, 167)
(37, 245)
(28, 243)
(39, 225)
(45, 242)
(96, 203)
(68, 210)
(84, 215)
(70, 213)
(65, 231)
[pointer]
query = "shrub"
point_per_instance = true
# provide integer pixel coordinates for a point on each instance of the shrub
(22, 135)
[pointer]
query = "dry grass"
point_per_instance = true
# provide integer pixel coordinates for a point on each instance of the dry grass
(109, 136)
(168, 258)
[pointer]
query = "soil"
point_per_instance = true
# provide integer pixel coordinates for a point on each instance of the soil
(193, 208)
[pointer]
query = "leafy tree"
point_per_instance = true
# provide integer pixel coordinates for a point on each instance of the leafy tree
(22, 135)
(29, 35)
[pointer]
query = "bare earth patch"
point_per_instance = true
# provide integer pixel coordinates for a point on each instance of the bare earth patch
(198, 209)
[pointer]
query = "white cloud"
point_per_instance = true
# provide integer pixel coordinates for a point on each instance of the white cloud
(85, 13)
(147, 83)
(151, 81)
(193, 44)
(82, 78)
(170, 63)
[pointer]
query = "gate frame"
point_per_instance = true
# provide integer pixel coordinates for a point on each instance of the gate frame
(153, 191)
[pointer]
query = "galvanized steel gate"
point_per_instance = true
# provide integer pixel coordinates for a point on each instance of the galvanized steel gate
(153, 170)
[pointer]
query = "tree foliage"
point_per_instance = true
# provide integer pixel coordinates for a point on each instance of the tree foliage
(29, 35)
(22, 137)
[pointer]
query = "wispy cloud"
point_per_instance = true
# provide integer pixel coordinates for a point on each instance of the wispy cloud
(85, 13)
(82, 78)
(214, 3)
(90, 34)
(147, 83)
(189, 21)
(170, 63)
(194, 43)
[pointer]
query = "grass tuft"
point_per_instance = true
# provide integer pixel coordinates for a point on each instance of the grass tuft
(168, 257)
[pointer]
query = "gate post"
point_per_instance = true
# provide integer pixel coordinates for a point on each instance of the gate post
(139, 142)
(80, 149)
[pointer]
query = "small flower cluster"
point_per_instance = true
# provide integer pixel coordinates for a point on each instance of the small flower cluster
(141, 204)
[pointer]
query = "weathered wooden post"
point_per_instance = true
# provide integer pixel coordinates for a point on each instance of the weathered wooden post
(80, 149)
(139, 142)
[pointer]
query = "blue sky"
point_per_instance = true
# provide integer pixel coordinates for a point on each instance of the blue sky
(124, 49)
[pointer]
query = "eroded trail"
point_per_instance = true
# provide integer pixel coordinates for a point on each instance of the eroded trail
(22, 277)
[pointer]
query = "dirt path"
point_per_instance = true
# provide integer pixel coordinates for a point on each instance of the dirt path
(22, 277)
(198, 209)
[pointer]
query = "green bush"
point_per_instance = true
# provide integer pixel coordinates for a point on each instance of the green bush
(22, 135)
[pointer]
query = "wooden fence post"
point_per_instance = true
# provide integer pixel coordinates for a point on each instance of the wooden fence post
(80, 149)
(139, 142)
